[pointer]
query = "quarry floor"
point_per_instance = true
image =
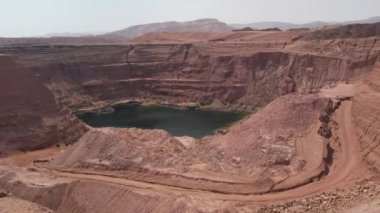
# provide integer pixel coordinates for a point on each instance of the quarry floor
(346, 171)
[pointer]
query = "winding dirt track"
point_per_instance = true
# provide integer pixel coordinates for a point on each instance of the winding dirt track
(346, 169)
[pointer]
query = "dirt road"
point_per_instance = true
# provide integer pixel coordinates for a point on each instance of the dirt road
(346, 169)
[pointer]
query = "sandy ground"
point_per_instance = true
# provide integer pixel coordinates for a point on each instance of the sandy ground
(15, 205)
(25, 159)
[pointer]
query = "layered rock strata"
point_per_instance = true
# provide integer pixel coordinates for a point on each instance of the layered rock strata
(30, 117)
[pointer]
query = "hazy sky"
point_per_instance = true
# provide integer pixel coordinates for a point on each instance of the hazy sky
(39, 17)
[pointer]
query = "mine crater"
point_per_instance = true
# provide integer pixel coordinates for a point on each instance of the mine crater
(313, 107)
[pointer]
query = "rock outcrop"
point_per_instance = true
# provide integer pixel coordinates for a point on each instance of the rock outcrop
(347, 31)
(30, 117)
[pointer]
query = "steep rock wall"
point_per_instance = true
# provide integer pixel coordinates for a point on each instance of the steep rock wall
(366, 113)
(30, 117)
(231, 76)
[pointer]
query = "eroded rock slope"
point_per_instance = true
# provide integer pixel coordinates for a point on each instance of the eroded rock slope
(30, 117)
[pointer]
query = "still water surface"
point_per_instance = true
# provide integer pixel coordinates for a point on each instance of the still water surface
(192, 122)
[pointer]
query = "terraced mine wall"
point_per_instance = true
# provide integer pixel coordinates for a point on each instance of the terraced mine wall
(228, 76)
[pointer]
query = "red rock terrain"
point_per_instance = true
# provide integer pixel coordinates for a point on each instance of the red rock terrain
(310, 144)
(240, 75)
(30, 117)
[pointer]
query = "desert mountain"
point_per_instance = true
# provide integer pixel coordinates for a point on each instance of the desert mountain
(201, 25)
(312, 25)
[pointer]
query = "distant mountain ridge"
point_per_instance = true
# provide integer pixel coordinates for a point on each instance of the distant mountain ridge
(311, 25)
(281, 25)
(214, 25)
(200, 25)
(69, 34)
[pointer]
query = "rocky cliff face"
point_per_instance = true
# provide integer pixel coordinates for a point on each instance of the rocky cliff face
(348, 31)
(366, 114)
(30, 117)
(229, 75)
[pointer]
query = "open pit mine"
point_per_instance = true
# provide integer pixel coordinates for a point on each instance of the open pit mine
(308, 140)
